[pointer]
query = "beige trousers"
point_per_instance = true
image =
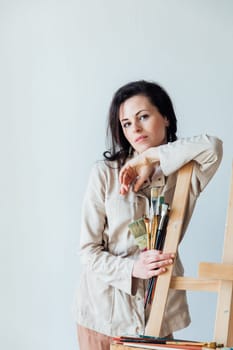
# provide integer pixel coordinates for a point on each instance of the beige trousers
(92, 340)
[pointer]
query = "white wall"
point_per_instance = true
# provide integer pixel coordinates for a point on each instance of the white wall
(60, 62)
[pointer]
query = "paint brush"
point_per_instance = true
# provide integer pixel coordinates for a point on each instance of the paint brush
(160, 237)
(159, 202)
(153, 217)
(153, 199)
(160, 234)
(147, 224)
(139, 230)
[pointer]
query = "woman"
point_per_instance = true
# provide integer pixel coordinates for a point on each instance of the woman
(144, 153)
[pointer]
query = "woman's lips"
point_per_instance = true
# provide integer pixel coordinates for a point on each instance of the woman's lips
(140, 138)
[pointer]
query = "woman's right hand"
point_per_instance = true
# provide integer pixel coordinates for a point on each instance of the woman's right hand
(152, 263)
(138, 169)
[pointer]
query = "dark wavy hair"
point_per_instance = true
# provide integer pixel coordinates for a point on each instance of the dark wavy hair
(119, 147)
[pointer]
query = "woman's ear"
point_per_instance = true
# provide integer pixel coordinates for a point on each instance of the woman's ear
(167, 123)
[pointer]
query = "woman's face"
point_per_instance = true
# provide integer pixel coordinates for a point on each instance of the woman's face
(142, 124)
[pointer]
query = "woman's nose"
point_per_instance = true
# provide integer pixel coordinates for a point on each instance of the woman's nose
(136, 126)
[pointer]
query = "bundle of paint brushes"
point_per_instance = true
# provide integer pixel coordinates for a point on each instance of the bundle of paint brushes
(150, 232)
(165, 344)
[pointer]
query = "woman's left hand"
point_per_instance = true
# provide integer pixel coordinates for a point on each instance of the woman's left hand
(135, 172)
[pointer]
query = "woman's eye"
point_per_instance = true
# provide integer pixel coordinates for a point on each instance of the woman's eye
(126, 125)
(144, 116)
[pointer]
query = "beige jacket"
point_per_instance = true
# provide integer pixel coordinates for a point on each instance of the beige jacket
(109, 300)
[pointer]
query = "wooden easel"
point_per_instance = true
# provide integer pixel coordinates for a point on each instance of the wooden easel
(212, 277)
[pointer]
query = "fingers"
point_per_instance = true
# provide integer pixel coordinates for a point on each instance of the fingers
(135, 173)
(126, 177)
(152, 263)
(155, 265)
(159, 264)
(154, 255)
(154, 273)
(138, 183)
(124, 189)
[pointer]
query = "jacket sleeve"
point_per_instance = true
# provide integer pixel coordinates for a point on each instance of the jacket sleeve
(205, 150)
(113, 270)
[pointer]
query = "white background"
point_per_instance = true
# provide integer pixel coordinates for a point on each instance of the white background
(60, 63)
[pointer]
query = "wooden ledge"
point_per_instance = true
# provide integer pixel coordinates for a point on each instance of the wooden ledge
(194, 284)
(220, 271)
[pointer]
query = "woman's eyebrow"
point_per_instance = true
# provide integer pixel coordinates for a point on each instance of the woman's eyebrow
(141, 110)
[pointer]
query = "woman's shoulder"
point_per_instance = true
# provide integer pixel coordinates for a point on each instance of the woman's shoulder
(104, 168)
(103, 175)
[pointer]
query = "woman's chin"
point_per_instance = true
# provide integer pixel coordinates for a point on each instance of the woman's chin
(141, 149)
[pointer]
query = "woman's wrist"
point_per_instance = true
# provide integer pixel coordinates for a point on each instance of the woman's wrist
(151, 156)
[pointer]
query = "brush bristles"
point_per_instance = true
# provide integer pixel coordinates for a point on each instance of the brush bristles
(154, 192)
(164, 209)
(138, 227)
